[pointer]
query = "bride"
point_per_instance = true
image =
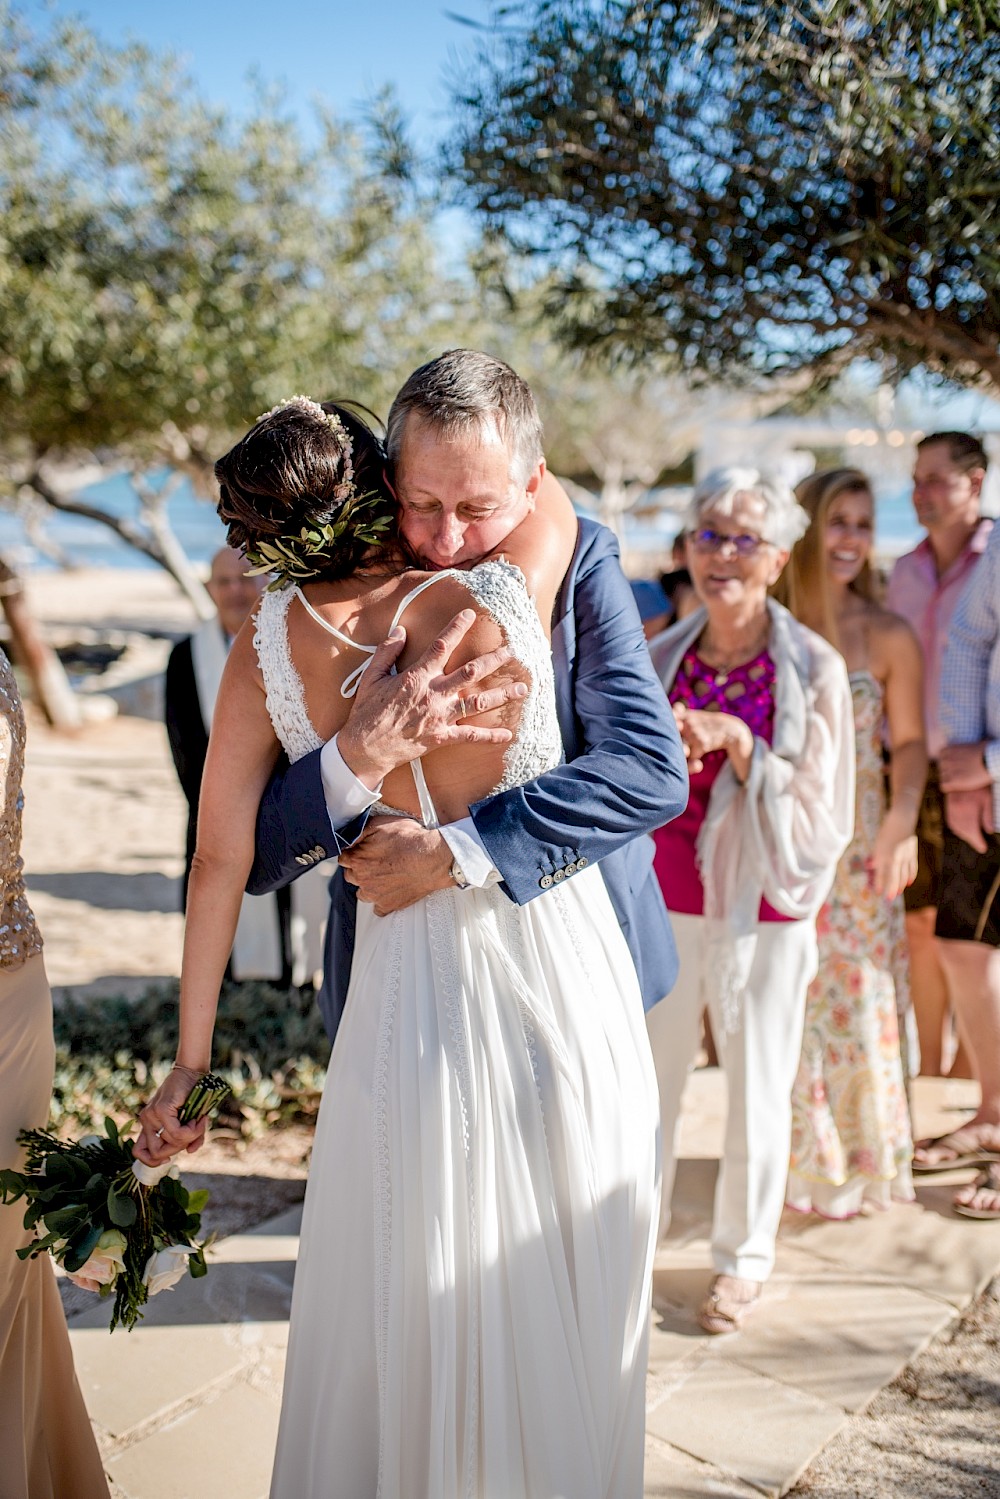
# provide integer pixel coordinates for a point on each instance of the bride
(470, 1312)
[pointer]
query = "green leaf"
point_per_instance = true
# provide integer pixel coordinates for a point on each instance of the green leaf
(197, 1200)
(121, 1210)
(82, 1246)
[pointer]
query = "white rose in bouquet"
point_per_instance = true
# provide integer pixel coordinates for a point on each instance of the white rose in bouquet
(151, 1176)
(104, 1265)
(165, 1268)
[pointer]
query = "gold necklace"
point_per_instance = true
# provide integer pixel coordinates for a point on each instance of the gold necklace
(723, 669)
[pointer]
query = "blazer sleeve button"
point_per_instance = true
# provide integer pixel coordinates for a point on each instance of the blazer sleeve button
(546, 881)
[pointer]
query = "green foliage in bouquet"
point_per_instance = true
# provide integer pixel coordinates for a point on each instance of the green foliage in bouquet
(116, 1226)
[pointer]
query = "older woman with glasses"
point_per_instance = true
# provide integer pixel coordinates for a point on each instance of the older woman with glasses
(764, 710)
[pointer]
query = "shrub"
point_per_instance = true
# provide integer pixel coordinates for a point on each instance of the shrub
(111, 1052)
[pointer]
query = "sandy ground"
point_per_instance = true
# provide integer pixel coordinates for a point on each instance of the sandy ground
(104, 816)
(104, 822)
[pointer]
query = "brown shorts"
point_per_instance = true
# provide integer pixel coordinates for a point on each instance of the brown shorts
(926, 888)
(969, 908)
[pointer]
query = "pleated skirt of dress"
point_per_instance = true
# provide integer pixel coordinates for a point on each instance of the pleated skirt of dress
(471, 1304)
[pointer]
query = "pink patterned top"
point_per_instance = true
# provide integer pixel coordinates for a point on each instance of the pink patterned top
(747, 692)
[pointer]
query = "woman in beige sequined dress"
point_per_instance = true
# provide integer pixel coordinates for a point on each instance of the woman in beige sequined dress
(47, 1447)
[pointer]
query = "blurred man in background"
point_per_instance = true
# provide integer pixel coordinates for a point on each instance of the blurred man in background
(968, 918)
(925, 587)
(262, 949)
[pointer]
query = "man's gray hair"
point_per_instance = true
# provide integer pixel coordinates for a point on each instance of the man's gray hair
(463, 391)
(784, 518)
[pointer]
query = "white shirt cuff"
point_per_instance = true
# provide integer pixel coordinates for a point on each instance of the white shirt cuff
(346, 796)
(470, 853)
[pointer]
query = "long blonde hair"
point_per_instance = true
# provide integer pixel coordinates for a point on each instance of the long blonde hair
(804, 586)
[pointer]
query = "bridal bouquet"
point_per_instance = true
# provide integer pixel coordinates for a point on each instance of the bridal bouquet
(115, 1224)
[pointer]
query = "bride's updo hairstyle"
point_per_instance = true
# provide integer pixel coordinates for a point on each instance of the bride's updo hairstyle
(303, 493)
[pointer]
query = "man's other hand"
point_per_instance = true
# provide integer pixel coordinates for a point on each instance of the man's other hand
(397, 863)
(969, 814)
(395, 719)
(963, 767)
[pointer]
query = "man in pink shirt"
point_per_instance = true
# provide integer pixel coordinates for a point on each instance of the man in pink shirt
(925, 588)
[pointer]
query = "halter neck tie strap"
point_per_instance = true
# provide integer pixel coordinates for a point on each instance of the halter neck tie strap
(352, 681)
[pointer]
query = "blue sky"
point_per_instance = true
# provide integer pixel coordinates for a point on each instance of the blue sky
(343, 50)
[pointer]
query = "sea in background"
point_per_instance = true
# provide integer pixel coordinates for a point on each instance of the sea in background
(47, 537)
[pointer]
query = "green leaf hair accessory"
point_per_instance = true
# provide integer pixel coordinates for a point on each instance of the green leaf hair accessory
(297, 558)
(345, 488)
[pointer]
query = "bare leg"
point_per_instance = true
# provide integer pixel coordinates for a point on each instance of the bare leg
(961, 1064)
(928, 988)
(972, 970)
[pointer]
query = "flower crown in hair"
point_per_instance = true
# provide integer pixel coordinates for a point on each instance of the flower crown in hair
(366, 518)
(345, 488)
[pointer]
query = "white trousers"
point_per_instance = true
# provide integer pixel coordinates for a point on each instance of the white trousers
(760, 1060)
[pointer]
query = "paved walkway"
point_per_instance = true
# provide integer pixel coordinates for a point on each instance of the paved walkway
(187, 1405)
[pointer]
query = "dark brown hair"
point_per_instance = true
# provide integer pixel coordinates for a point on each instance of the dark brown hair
(289, 472)
(965, 451)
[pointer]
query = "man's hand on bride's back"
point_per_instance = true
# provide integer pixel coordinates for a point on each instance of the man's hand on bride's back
(395, 719)
(397, 863)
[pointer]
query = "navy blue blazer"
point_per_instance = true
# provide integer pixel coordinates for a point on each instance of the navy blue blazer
(624, 775)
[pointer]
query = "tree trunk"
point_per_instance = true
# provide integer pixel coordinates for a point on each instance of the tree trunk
(50, 684)
(157, 541)
(172, 556)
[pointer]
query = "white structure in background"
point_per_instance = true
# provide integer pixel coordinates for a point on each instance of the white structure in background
(791, 447)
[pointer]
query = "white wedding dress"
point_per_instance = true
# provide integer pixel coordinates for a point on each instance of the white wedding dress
(471, 1303)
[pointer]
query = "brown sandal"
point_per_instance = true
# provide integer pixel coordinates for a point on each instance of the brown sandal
(728, 1303)
(987, 1181)
(963, 1149)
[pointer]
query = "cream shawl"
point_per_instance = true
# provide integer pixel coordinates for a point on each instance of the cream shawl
(780, 834)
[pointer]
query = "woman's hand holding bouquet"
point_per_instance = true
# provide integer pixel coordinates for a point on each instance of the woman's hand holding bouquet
(116, 1220)
(166, 1126)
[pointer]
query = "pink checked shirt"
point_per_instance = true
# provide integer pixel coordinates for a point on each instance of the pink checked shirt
(928, 602)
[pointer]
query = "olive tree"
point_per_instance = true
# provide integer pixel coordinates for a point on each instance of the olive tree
(749, 189)
(167, 272)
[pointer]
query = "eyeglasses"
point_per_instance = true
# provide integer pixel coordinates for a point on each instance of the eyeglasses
(744, 545)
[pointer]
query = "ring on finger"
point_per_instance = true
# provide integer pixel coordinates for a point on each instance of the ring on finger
(159, 1132)
(463, 708)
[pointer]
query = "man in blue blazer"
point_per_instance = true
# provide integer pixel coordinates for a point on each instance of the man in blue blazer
(625, 771)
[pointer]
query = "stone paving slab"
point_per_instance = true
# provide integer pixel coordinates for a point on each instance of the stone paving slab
(926, 1247)
(132, 1378)
(835, 1336)
(222, 1449)
(762, 1432)
(670, 1474)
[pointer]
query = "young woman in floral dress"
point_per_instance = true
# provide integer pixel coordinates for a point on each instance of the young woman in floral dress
(851, 1135)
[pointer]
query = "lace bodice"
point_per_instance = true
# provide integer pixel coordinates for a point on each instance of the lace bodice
(499, 589)
(19, 936)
